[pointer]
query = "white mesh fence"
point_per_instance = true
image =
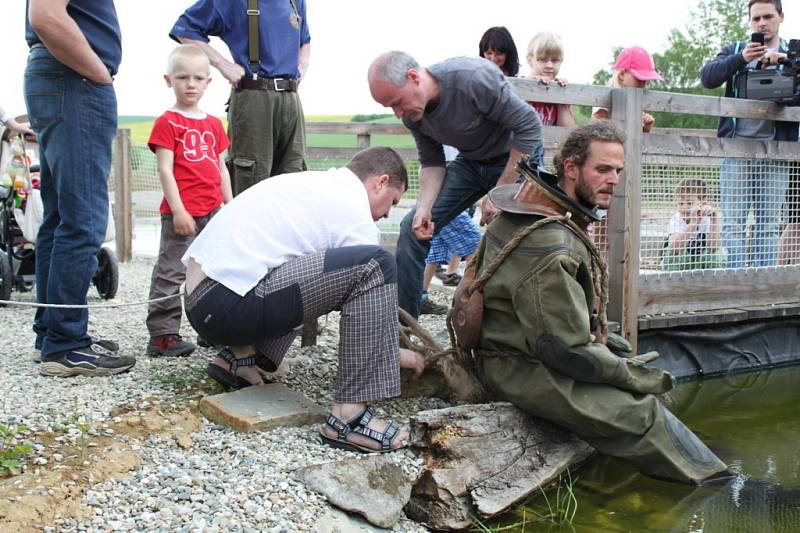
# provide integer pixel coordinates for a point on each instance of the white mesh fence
(706, 214)
(697, 213)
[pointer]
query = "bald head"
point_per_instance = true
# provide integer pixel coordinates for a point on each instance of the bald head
(397, 81)
(392, 67)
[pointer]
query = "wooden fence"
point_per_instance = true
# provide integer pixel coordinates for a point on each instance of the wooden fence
(639, 300)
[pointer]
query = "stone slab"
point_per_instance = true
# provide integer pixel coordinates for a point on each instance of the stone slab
(262, 407)
(372, 486)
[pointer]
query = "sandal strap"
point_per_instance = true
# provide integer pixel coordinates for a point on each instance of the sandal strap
(385, 438)
(235, 363)
(341, 427)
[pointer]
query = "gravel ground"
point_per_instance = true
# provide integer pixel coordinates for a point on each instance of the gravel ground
(131, 452)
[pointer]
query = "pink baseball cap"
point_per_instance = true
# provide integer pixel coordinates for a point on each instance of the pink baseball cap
(638, 62)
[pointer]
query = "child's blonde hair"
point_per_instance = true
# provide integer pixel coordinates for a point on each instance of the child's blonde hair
(545, 44)
(692, 186)
(185, 51)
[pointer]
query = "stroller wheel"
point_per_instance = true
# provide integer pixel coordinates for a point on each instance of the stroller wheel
(6, 277)
(106, 278)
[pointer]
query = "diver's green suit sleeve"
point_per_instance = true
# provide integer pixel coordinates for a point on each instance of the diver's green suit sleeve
(553, 304)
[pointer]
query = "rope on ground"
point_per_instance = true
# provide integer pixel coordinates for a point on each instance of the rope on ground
(89, 306)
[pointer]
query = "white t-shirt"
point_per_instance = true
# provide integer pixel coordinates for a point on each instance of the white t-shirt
(282, 218)
(677, 225)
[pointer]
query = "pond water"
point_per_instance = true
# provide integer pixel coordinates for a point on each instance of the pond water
(752, 421)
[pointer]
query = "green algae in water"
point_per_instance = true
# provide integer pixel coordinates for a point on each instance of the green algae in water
(752, 421)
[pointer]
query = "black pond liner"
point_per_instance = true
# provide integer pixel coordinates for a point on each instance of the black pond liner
(705, 351)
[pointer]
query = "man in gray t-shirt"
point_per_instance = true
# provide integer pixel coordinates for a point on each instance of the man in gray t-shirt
(465, 103)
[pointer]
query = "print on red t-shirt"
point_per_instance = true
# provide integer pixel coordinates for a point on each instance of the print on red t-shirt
(196, 144)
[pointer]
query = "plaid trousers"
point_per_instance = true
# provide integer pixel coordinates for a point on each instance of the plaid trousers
(359, 281)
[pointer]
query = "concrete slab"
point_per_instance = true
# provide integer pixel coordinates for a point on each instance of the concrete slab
(263, 407)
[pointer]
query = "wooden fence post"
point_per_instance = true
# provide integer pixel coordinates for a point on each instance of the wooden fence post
(363, 140)
(624, 217)
(123, 221)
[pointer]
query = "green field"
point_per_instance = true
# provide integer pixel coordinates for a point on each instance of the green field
(140, 130)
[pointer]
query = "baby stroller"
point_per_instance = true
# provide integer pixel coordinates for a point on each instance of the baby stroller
(21, 216)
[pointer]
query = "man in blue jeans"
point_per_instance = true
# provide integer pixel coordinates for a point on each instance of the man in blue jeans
(75, 49)
(757, 183)
(466, 103)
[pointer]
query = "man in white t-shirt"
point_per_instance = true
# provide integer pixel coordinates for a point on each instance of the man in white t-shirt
(295, 247)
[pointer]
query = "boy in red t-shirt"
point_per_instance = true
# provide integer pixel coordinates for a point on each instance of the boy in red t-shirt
(188, 145)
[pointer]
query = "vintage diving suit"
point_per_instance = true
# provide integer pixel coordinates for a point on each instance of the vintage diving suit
(539, 345)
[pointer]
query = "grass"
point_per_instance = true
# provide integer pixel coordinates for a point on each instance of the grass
(558, 510)
(11, 450)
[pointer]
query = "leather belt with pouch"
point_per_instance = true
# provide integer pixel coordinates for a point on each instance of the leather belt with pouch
(267, 84)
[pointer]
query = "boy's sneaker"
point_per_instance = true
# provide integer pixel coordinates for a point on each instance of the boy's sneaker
(93, 360)
(103, 343)
(171, 345)
(452, 280)
(204, 343)
(440, 273)
(428, 307)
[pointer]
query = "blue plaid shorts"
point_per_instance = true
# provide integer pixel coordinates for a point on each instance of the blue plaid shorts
(460, 237)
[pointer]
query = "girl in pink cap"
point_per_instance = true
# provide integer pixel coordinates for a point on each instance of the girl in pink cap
(634, 68)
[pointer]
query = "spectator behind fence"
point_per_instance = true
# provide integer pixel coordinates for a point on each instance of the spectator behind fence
(542, 342)
(265, 118)
(11, 123)
(757, 183)
(306, 244)
(789, 247)
(464, 102)
(694, 240)
(188, 144)
(634, 67)
(75, 50)
(498, 46)
(545, 55)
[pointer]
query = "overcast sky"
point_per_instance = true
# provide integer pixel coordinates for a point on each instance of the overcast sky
(347, 34)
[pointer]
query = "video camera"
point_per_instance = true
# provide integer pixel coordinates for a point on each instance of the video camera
(779, 85)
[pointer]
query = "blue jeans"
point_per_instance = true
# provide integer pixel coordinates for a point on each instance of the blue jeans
(465, 182)
(760, 184)
(76, 120)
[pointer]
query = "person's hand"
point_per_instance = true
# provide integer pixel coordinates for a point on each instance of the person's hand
(233, 72)
(772, 58)
(412, 361)
(561, 82)
(488, 211)
(184, 223)
(422, 225)
(705, 210)
(648, 121)
(753, 51)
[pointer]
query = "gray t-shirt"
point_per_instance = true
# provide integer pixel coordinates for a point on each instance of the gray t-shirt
(478, 113)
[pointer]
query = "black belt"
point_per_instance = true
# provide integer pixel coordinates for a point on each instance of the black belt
(267, 84)
(496, 160)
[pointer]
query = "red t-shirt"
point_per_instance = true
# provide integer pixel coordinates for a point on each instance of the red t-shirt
(197, 144)
(547, 112)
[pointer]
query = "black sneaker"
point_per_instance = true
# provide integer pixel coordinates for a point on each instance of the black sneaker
(93, 360)
(427, 307)
(103, 343)
(205, 343)
(452, 280)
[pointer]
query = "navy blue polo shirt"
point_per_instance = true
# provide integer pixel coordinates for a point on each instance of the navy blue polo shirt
(279, 40)
(97, 19)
